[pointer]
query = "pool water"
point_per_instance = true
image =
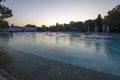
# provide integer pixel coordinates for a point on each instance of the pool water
(97, 54)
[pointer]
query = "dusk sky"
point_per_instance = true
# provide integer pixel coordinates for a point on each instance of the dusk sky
(49, 12)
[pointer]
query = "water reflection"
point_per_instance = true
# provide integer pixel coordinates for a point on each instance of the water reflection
(97, 54)
(4, 38)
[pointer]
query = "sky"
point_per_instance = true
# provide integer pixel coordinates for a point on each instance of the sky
(50, 12)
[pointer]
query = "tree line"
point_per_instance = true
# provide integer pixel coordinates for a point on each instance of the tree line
(111, 20)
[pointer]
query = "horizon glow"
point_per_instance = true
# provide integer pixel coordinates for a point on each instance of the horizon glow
(49, 12)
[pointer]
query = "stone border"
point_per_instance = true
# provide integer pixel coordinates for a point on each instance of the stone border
(5, 76)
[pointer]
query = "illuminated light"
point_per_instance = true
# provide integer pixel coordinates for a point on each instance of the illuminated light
(46, 33)
(49, 33)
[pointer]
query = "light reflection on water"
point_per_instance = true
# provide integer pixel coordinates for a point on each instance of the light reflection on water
(97, 54)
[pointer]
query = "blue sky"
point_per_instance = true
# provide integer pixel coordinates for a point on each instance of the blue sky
(49, 12)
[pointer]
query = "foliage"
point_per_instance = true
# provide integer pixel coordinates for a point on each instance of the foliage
(113, 19)
(5, 12)
(4, 24)
(99, 23)
(29, 25)
(91, 24)
(72, 26)
(2, 0)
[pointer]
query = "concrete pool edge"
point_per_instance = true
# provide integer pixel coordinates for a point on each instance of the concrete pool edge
(85, 73)
(5, 76)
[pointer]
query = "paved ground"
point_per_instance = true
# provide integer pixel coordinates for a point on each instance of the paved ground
(25, 66)
(5, 76)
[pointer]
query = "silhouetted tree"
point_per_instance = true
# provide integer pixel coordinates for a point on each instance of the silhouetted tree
(99, 23)
(113, 19)
(2, 0)
(30, 25)
(4, 24)
(44, 28)
(5, 12)
(91, 24)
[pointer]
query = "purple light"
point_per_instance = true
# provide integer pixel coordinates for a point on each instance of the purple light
(49, 33)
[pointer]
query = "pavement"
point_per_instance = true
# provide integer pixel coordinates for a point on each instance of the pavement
(27, 66)
(5, 76)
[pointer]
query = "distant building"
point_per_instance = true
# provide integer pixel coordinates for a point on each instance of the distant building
(15, 29)
(30, 29)
(22, 29)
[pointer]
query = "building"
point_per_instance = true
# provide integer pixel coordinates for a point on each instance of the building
(22, 29)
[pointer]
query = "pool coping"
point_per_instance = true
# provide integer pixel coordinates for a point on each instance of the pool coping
(80, 70)
(6, 76)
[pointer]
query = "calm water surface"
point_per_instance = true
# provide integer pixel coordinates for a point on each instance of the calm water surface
(97, 54)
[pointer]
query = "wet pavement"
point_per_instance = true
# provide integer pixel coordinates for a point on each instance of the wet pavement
(5, 76)
(31, 67)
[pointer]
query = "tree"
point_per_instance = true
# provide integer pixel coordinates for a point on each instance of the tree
(91, 24)
(99, 23)
(44, 28)
(5, 12)
(29, 25)
(4, 24)
(113, 19)
(59, 27)
(2, 0)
